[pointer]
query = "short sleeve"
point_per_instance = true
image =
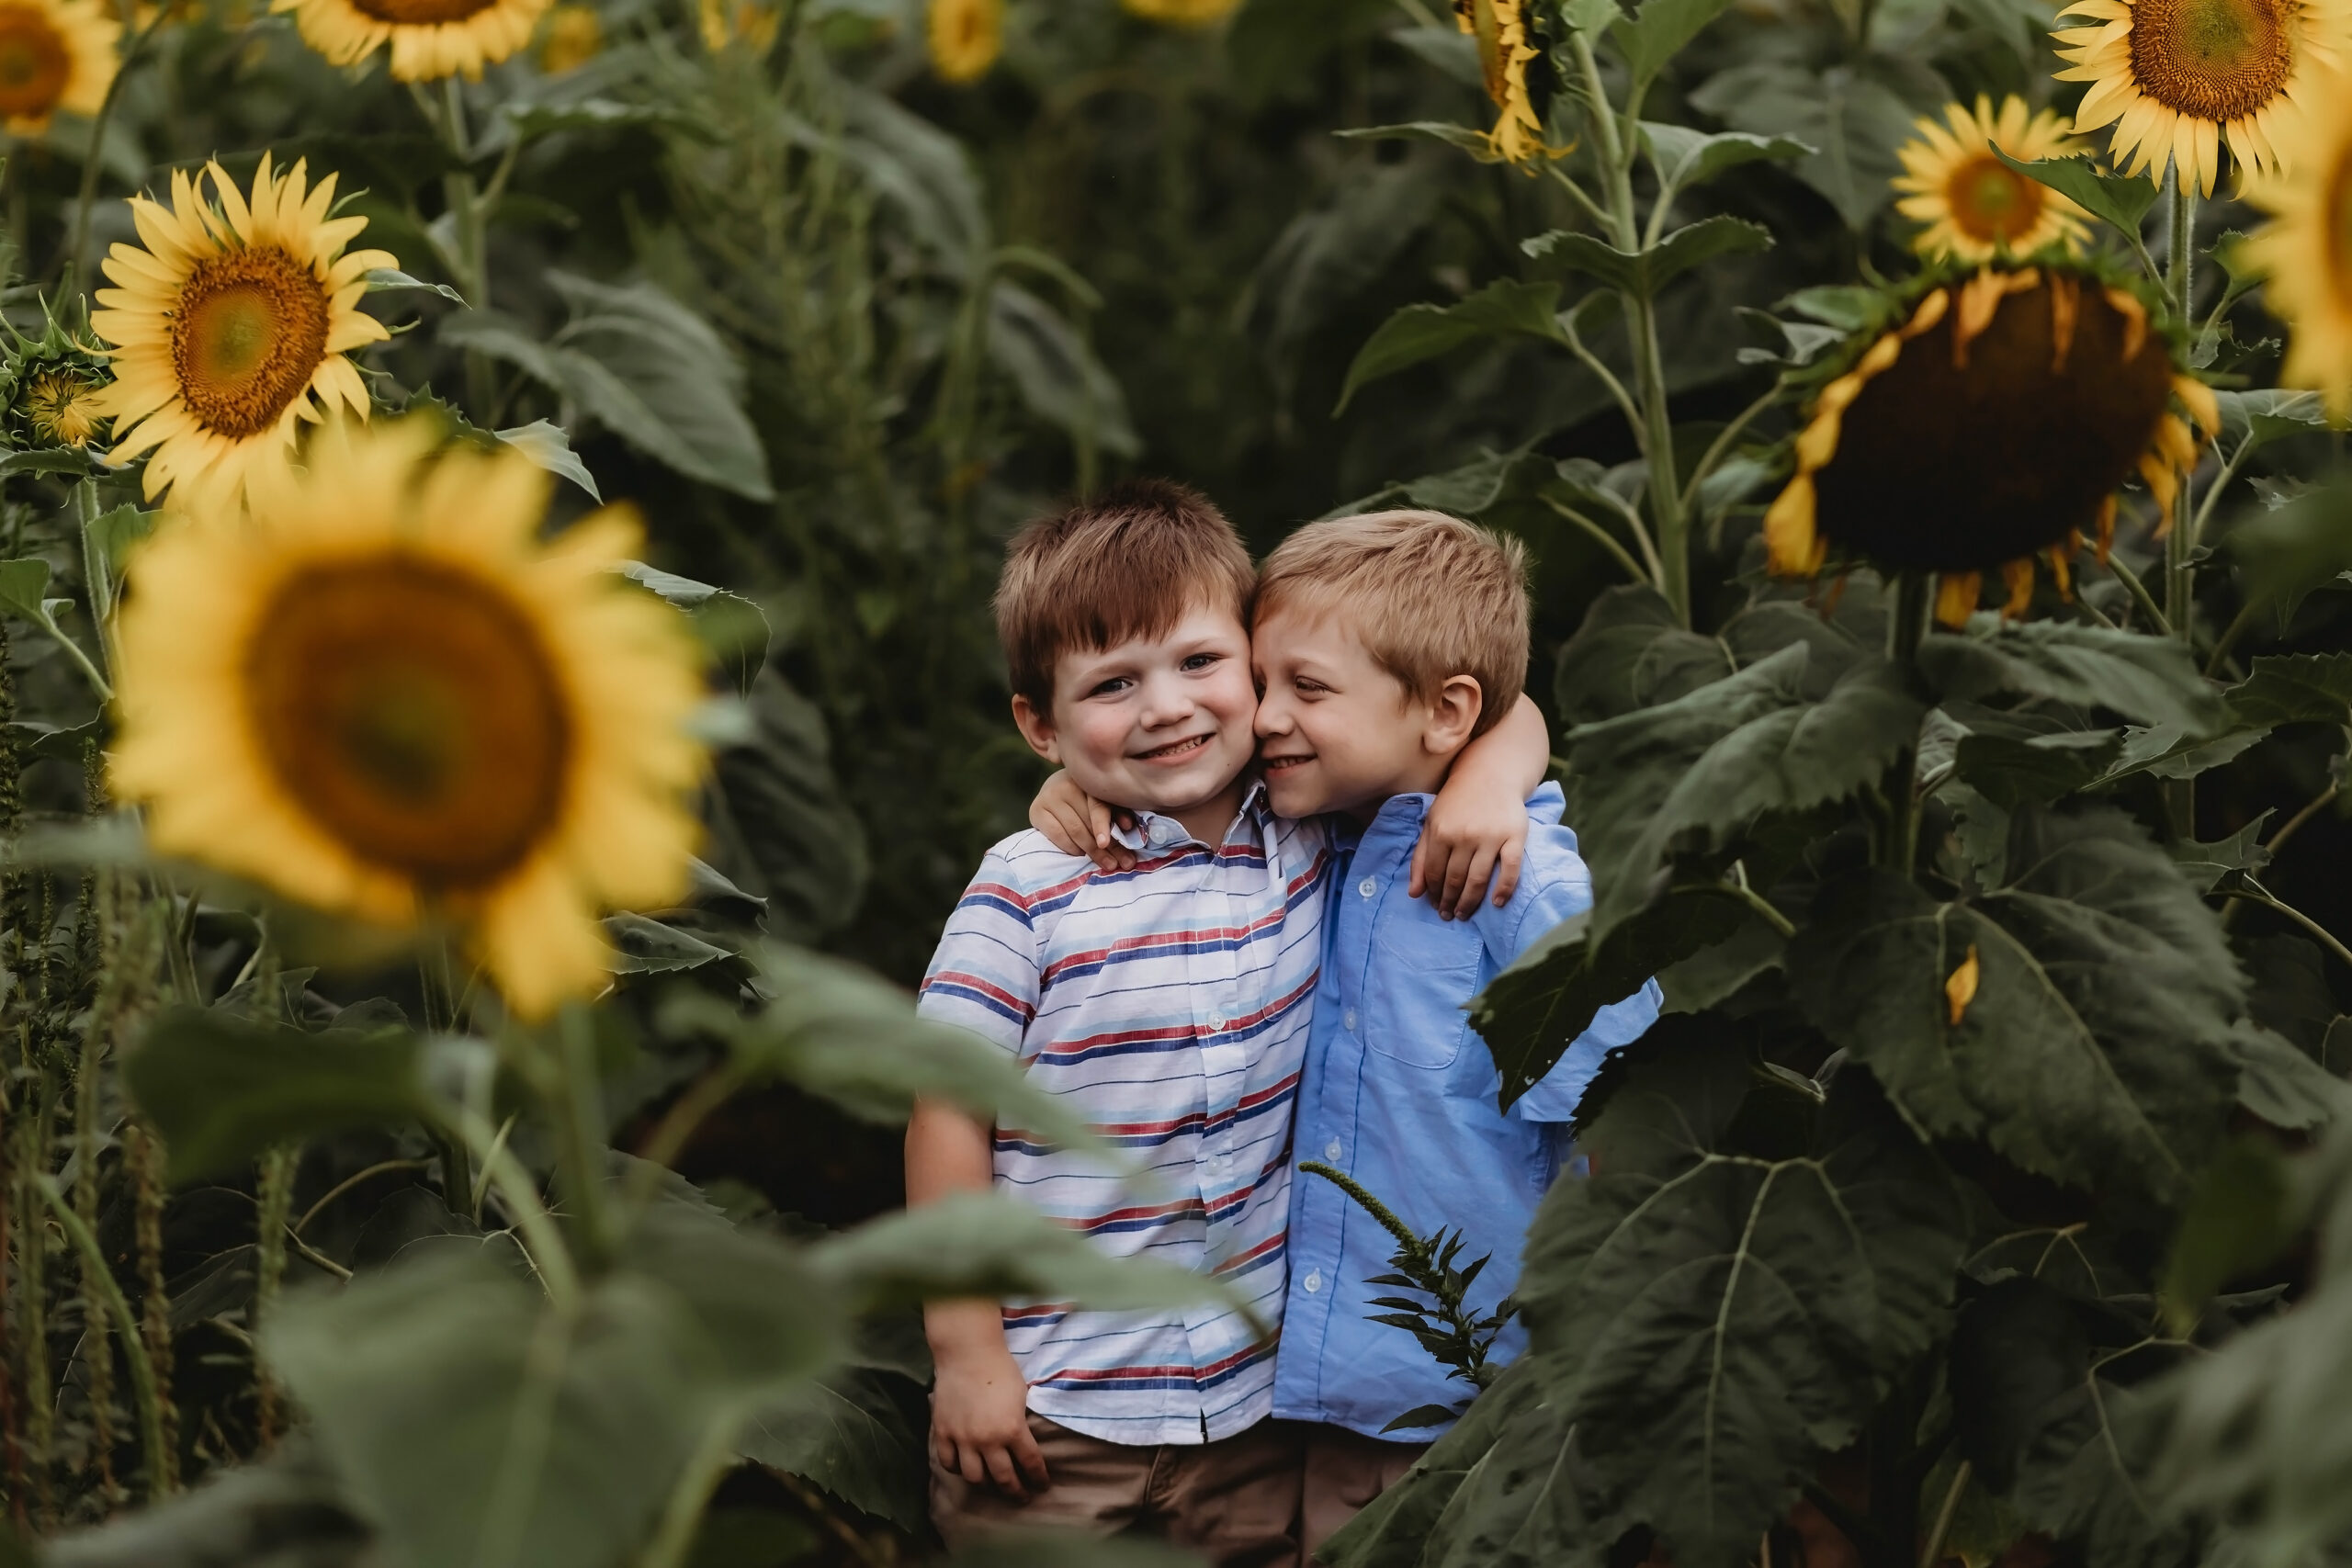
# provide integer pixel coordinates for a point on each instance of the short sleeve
(984, 973)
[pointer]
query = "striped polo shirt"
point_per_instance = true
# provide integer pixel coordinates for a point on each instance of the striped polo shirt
(1170, 1003)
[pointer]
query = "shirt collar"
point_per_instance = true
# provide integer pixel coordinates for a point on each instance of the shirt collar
(1154, 831)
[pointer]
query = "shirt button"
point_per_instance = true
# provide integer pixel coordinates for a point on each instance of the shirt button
(1367, 887)
(1216, 1021)
(1331, 1151)
(1313, 1282)
(1348, 1019)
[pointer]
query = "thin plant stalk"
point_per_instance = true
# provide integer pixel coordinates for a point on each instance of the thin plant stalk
(79, 253)
(1899, 850)
(274, 1203)
(97, 1352)
(142, 1375)
(152, 1343)
(2180, 570)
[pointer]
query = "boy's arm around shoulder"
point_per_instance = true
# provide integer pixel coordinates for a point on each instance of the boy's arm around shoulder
(1556, 886)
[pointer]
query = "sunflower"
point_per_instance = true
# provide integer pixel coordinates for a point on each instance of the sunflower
(1976, 207)
(229, 323)
(59, 407)
(575, 36)
(430, 39)
(379, 695)
(2003, 412)
(1504, 53)
(2306, 252)
(750, 22)
(1181, 13)
(966, 38)
(2174, 76)
(54, 54)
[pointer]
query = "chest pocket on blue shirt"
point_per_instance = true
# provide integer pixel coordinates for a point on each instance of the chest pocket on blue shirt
(1419, 974)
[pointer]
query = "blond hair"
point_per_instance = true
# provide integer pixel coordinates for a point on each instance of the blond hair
(1127, 564)
(1431, 596)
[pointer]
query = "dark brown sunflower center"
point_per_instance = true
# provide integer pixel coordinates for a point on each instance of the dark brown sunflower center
(2212, 60)
(421, 12)
(250, 330)
(1947, 463)
(413, 712)
(1992, 202)
(34, 63)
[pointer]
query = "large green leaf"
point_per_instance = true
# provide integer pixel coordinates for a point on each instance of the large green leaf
(477, 1424)
(1726, 1297)
(1646, 271)
(1853, 116)
(1532, 1013)
(2151, 679)
(2295, 688)
(1658, 32)
(843, 1032)
(1057, 371)
(2117, 199)
(1505, 308)
(780, 824)
(220, 1089)
(2283, 554)
(851, 1433)
(2096, 1048)
(1632, 652)
(1684, 157)
(989, 1244)
(1707, 766)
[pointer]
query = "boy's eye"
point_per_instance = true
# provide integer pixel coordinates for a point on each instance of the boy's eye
(1202, 660)
(1110, 687)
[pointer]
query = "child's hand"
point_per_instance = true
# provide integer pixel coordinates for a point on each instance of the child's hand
(1077, 824)
(1465, 840)
(980, 1424)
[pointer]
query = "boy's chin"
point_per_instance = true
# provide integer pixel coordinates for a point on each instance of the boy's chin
(1294, 796)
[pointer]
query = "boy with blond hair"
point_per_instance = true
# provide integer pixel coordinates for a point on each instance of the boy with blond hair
(1169, 1000)
(1384, 645)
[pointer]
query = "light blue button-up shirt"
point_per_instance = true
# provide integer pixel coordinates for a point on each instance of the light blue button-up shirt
(1399, 1092)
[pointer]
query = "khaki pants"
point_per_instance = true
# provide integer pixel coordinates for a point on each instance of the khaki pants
(1236, 1500)
(1343, 1472)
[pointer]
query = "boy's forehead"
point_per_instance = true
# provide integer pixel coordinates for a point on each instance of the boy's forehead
(1197, 622)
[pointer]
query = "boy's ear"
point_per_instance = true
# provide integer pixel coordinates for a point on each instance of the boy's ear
(1453, 716)
(1038, 728)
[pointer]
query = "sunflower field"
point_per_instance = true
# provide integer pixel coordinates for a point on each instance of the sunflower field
(498, 505)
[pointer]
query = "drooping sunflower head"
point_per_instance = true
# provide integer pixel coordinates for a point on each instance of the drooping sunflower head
(1974, 206)
(1986, 423)
(1181, 13)
(429, 38)
(232, 325)
(1507, 52)
(966, 37)
(54, 54)
(575, 35)
(2305, 252)
(2180, 78)
(380, 695)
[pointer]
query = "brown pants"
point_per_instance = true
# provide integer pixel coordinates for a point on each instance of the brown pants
(1344, 1471)
(1235, 1500)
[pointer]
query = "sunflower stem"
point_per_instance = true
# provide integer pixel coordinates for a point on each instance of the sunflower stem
(144, 1392)
(2180, 543)
(1899, 850)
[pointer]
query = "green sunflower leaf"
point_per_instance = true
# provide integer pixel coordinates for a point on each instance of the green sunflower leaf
(1532, 1013)
(1505, 308)
(1658, 32)
(1646, 271)
(1853, 116)
(2114, 199)
(2243, 1215)
(1703, 769)
(2151, 679)
(2295, 688)
(2096, 1048)
(2284, 553)
(1462, 138)
(1630, 654)
(221, 1088)
(1726, 1297)
(1684, 157)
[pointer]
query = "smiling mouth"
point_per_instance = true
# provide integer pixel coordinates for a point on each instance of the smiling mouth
(1276, 765)
(1175, 751)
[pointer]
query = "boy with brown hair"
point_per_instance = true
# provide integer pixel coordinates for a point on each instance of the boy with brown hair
(1169, 1000)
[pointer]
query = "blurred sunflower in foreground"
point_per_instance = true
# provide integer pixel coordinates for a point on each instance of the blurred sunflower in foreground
(575, 36)
(2302, 251)
(2003, 408)
(54, 54)
(1183, 13)
(966, 37)
(1505, 52)
(1976, 207)
(232, 326)
(2178, 77)
(382, 696)
(430, 39)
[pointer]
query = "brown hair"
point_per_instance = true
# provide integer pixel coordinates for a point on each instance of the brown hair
(1431, 596)
(1127, 563)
